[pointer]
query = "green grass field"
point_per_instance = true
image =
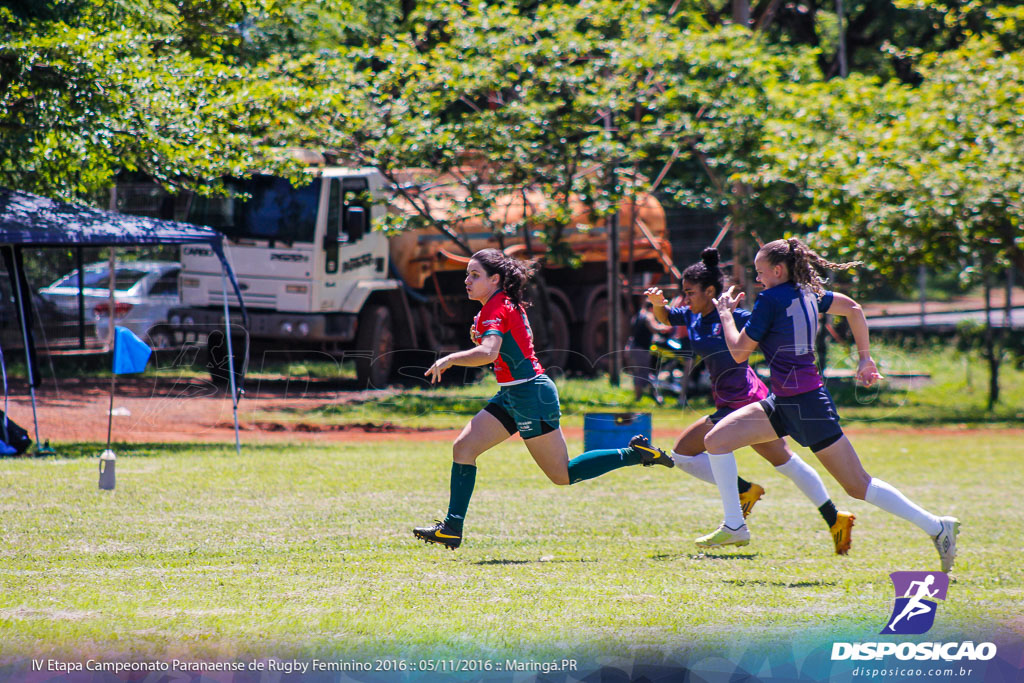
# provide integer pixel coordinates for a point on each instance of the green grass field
(306, 551)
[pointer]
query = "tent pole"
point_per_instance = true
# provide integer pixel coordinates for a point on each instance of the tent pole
(110, 412)
(81, 297)
(231, 359)
(18, 268)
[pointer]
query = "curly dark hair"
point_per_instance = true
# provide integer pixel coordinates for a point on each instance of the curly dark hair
(514, 274)
(706, 273)
(806, 267)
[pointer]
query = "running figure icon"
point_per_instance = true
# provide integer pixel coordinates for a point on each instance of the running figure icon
(917, 600)
(916, 605)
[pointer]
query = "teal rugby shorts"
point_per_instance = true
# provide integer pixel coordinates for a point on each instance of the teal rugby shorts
(530, 408)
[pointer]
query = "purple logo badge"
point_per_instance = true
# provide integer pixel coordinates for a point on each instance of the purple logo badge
(916, 595)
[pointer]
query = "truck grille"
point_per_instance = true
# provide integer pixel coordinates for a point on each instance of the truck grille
(250, 298)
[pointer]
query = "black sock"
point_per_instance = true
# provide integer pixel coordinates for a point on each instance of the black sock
(828, 512)
(742, 484)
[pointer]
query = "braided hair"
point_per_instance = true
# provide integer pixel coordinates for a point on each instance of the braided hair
(806, 267)
(706, 273)
(513, 273)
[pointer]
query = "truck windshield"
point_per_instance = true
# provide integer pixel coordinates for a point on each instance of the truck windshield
(275, 210)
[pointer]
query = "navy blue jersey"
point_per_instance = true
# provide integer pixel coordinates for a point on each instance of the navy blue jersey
(785, 322)
(733, 384)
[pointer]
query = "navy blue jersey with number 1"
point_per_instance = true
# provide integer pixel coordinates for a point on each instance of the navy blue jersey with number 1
(784, 323)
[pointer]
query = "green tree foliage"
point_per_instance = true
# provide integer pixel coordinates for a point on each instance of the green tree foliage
(172, 89)
(934, 172)
(586, 99)
(898, 176)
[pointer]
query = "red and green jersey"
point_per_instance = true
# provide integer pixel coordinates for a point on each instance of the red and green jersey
(516, 360)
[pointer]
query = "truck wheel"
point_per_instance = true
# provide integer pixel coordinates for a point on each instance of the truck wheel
(554, 355)
(594, 343)
(375, 343)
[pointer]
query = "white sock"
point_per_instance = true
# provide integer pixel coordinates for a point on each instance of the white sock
(805, 478)
(891, 500)
(724, 467)
(696, 465)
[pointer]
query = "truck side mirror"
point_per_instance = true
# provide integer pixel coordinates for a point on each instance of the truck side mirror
(355, 222)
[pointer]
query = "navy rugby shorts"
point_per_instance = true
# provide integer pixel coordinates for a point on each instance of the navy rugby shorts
(810, 418)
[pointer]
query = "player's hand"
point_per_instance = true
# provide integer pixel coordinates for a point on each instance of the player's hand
(867, 372)
(728, 301)
(435, 371)
(656, 297)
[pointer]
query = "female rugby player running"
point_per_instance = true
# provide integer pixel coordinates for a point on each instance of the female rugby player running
(526, 402)
(784, 322)
(733, 385)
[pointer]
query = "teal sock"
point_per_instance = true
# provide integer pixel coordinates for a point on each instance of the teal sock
(595, 463)
(463, 481)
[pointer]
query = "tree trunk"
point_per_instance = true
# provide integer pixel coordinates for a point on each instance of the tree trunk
(844, 69)
(614, 300)
(741, 12)
(990, 349)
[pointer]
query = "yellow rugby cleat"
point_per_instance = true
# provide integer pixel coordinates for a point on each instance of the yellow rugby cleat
(749, 497)
(842, 532)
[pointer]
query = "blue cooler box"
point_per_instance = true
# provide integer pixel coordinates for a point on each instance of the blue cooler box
(613, 430)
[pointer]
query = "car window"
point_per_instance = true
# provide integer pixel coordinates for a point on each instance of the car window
(125, 279)
(91, 278)
(167, 285)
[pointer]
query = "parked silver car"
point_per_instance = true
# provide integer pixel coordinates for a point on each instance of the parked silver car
(144, 291)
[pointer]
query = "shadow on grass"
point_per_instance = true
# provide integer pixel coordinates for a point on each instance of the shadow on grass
(781, 584)
(512, 562)
(413, 404)
(426, 403)
(912, 409)
(671, 557)
(66, 451)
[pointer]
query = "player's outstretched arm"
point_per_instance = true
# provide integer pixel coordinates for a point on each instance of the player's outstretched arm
(867, 371)
(657, 297)
(740, 345)
(484, 354)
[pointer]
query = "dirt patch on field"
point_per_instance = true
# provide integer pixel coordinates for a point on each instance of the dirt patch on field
(169, 410)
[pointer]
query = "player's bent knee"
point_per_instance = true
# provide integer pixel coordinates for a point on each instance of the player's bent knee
(856, 492)
(558, 478)
(856, 489)
(717, 442)
(463, 454)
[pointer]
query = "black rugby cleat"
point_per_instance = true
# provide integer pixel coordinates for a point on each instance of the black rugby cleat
(649, 455)
(440, 533)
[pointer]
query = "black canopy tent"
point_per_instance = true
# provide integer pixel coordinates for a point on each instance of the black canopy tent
(30, 220)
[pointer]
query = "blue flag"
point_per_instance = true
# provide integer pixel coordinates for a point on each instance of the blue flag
(130, 353)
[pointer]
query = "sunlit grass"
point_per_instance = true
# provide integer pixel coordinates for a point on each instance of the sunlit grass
(307, 551)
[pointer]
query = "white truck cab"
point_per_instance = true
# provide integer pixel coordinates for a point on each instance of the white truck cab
(306, 258)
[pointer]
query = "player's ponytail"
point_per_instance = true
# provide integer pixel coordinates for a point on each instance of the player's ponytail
(806, 267)
(513, 273)
(706, 273)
